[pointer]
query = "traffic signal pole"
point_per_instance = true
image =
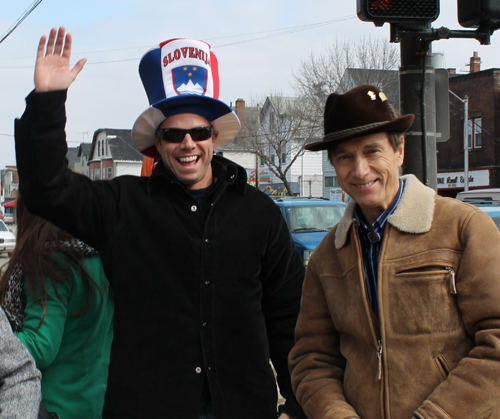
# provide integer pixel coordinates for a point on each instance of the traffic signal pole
(411, 26)
(418, 96)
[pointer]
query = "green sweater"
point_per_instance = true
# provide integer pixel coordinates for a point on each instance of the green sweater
(72, 352)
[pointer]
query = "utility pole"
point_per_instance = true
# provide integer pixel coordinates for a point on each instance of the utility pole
(465, 101)
(418, 96)
(466, 143)
(410, 22)
(257, 158)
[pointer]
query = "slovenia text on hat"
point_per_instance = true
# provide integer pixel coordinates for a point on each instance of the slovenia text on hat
(182, 76)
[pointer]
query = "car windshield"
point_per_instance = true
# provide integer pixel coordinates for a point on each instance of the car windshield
(3, 227)
(313, 217)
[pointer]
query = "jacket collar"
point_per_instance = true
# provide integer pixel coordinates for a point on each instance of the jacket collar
(235, 174)
(413, 214)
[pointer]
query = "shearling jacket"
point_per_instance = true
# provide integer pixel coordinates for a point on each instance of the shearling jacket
(203, 293)
(435, 348)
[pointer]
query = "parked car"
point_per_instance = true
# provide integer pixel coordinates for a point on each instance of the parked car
(1, 215)
(480, 196)
(486, 199)
(493, 210)
(309, 219)
(7, 239)
(8, 218)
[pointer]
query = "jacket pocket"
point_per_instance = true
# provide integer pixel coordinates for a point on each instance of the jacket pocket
(422, 300)
(442, 366)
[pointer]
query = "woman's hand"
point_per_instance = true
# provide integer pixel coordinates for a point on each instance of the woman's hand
(52, 62)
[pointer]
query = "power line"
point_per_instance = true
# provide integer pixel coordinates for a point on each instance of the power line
(277, 32)
(20, 20)
(290, 30)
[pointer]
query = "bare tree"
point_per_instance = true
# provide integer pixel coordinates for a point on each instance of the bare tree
(343, 66)
(276, 132)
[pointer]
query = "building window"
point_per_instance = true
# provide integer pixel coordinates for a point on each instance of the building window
(331, 181)
(283, 158)
(474, 133)
(110, 172)
(97, 174)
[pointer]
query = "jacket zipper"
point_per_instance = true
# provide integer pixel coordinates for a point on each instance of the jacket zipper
(377, 333)
(453, 284)
(379, 354)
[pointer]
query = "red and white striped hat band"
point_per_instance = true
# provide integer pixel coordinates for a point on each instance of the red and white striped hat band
(182, 76)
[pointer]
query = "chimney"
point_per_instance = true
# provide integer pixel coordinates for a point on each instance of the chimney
(452, 70)
(240, 104)
(475, 63)
(240, 112)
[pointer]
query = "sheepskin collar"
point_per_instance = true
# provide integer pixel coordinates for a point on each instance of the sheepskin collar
(413, 214)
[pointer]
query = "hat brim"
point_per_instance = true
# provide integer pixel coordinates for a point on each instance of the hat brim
(400, 124)
(221, 117)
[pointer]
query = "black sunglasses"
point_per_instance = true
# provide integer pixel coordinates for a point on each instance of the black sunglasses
(176, 135)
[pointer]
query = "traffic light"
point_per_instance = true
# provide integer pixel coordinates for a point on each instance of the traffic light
(476, 13)
(398, 11)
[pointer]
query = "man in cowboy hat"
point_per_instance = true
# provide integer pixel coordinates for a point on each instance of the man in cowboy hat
(399, 314)
(205, 277)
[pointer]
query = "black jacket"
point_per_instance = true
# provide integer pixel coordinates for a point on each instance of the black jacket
(199, 292)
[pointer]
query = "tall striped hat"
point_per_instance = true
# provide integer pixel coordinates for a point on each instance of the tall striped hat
(182, 76)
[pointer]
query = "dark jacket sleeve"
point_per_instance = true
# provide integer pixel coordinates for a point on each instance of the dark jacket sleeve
(282, 277)
(71, 201)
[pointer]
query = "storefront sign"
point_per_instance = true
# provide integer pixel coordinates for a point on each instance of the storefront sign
(264, 176)
(456, 180)
(337, 194)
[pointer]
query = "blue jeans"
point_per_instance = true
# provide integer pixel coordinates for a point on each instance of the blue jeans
(206, 412)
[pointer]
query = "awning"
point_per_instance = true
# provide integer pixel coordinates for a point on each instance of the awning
(10, 203)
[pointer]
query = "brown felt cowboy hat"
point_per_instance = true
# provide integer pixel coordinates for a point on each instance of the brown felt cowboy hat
(361, 111)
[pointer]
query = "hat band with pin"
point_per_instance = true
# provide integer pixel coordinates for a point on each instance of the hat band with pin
(361, 111)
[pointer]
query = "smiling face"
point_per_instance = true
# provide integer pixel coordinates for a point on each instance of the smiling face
(368, 170)
(190, 161)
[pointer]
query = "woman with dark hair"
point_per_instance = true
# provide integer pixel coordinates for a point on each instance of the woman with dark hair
(57, 299)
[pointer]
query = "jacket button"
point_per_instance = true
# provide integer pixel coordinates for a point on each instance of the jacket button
(204, 324)
(207, 241)
(207, 283)
(198, 370)
(194, 208)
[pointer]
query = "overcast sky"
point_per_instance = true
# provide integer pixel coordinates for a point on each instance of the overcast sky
(258, 43)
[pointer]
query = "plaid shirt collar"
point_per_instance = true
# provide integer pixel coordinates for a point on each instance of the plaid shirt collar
(379, 224)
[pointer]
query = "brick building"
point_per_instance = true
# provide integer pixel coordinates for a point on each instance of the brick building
(483, 133)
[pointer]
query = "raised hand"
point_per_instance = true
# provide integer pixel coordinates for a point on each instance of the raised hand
(52, 70)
